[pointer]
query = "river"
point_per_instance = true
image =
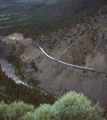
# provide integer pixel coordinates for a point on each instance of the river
(10, 72)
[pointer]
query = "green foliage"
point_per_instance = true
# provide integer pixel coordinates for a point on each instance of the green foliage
(15, 92)
(76, 106)
(16, 61)
(3, 108)
(3, 96)
(42, 113)
(14, 110)
(43, 18)
(16, 71)
(34, 81)
(71, 106)
(34, 66)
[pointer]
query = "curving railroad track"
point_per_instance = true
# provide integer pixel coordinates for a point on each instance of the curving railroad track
(64, 63)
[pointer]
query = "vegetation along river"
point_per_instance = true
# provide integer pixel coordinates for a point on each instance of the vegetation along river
(9, 71)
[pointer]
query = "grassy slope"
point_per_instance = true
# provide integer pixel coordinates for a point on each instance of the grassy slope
(35, 18)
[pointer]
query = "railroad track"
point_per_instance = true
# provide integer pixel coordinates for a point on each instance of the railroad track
(64, 63)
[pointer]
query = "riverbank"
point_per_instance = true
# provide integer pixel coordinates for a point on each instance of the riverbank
(9, 71)
(10, 92)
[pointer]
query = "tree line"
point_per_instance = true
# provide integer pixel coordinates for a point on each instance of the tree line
(15, 92)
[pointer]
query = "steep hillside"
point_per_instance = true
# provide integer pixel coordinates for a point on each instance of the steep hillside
(83, 43)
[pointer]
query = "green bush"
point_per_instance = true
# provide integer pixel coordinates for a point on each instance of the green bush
(42, 113)
(34, 81)
(3, 108)
(34, 66)
(14, 110)
(71, 106)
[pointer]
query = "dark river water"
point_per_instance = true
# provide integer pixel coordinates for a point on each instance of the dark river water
(9, 70)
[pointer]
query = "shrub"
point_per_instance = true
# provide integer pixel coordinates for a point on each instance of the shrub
(36, 81)
(3, 108)
(42, 113)
(34, 66)
(71, 106)
(14, 110)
